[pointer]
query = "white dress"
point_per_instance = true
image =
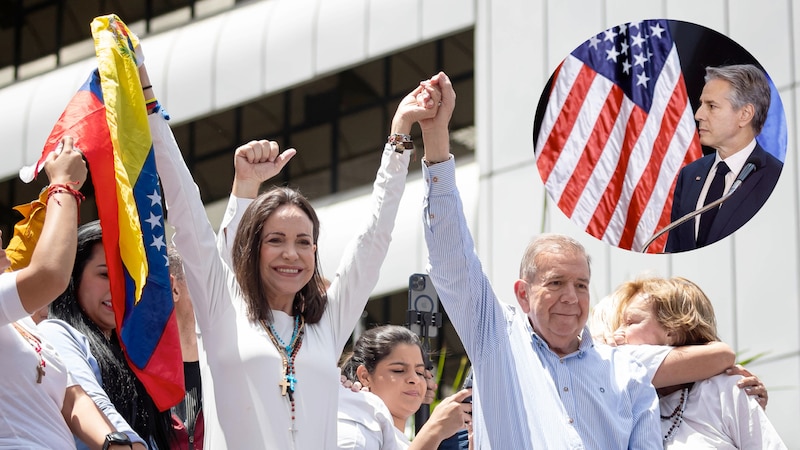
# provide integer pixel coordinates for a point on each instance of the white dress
(30, 412)
(241, 368)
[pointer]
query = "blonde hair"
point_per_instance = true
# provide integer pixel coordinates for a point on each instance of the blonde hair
(679, 305)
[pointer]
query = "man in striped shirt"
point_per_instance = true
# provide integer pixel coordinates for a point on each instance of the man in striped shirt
(540, 382)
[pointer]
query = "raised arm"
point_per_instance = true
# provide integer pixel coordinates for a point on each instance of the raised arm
(454, 267)
(194, 236)
(50, 268)
(360, 265)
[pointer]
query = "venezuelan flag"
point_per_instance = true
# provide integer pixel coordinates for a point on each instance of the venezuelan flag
(108, 120)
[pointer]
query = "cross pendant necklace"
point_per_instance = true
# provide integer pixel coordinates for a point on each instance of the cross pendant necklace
(36, 343)
(284, 385)
(288, 353)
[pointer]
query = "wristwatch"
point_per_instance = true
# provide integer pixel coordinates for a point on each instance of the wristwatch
(117, 438)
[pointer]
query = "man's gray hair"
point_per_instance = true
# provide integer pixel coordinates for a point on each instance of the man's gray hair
(175, 263)
(748, 85)
(549, 243)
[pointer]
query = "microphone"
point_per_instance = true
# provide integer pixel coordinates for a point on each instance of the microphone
(752, 164)
(749, 167)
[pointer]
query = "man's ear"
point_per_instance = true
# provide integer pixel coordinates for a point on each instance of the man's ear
(176, 291)
(521, 290)
(363, 375)
(746, 114)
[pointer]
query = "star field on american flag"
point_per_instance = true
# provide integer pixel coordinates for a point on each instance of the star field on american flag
(632, 55)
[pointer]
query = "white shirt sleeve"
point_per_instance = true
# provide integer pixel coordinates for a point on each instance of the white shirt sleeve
(11, 308)
(650, 356)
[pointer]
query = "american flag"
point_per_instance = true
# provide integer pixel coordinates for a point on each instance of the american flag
(617, 128)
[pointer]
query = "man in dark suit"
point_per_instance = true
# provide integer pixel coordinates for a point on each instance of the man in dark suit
(733, 109)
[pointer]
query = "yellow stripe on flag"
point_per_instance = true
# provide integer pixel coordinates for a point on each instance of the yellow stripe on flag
(124, 101)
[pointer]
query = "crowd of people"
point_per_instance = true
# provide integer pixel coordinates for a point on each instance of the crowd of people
(262, 331)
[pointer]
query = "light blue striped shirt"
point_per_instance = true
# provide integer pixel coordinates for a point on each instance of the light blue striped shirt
(597, 383)
(607, 404)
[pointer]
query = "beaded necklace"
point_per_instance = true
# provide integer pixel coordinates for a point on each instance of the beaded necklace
(36, 343)
(677, 415)
(288, 354)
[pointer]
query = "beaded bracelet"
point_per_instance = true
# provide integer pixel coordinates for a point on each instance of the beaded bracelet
(399, 142)
(66, 189)
(152, 105)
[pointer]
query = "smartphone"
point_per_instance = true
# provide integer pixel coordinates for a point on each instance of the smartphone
(467, 385)
(423, 302)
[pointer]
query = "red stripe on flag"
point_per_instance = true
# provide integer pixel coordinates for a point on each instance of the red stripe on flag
(84, 118)
(608, 202)
(601, 131)
(658, 245)
(644, 188)
(566, 121)
(161, 365)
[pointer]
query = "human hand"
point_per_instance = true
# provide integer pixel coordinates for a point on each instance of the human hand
(430, 393)
(354, 386)
(66, 165)
(452, 414)
(435, 132)
(751, 384)
(256, 162)
(446, 104)
(618, 338)
(419, 104)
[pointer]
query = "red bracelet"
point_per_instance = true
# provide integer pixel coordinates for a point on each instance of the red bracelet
(65, 188)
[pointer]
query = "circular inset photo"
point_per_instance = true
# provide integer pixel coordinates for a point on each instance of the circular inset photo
(659, 136)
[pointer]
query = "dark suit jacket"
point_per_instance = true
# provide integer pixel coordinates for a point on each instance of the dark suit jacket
(733, 213)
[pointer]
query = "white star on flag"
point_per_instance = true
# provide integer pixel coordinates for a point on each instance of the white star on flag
(154, 220)
(158, 242)
(155, 198)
